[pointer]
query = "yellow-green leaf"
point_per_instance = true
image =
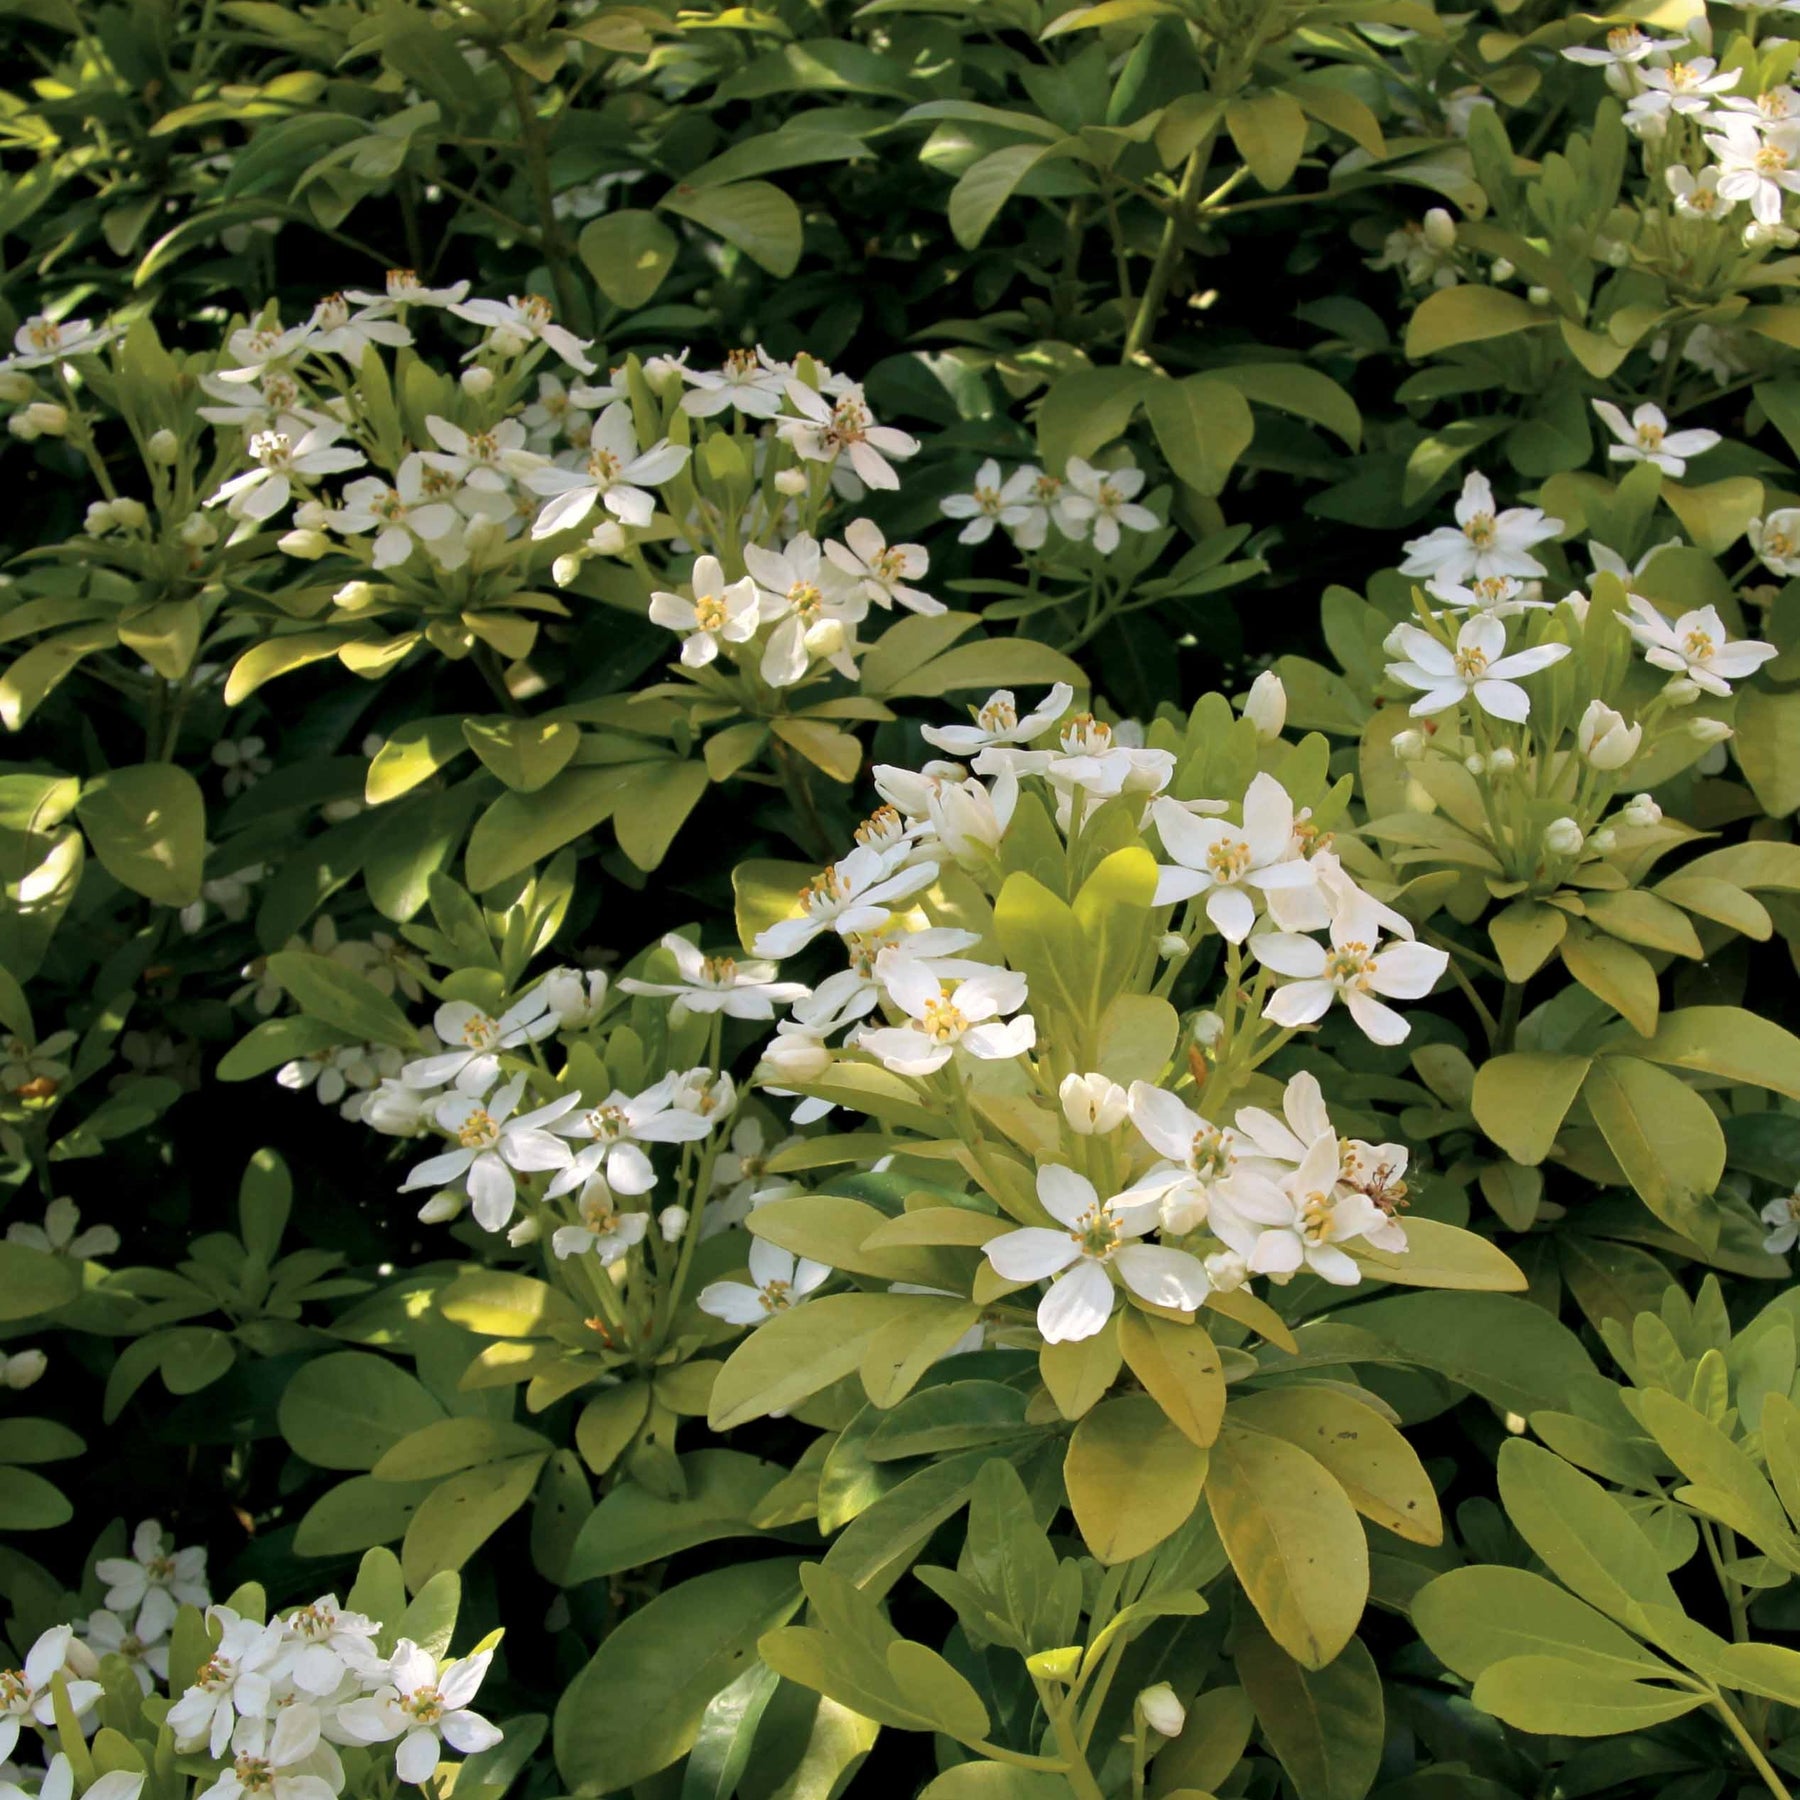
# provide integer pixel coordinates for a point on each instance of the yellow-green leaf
(1132, 1478)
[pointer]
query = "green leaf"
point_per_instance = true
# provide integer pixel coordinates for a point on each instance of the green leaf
(1269, 130)
(1522, 1097)
(628, 253)
(412, 753)
(1132, 1478)
(1202, 426)
(33, 1282)
(147, 825)
(524, 753)
(1294, 1539)
(655, 805)
(30, 1503)
(1727, 1041)
(1180, 1369)
(329, 990)
(638, 1704)
(520, 829)
(986, 186)
(1665, 1137)
(1767, 746)
(1292, 387)
(798, 1352)
(446, 1446)
(632, 1527)
(344, 1410)
(755, 216)
(1086, 409)
(1551, 1695)
(459, 1515)
(1324, 1725)
(359, 1514)
(1467, 314)
(1615, 973)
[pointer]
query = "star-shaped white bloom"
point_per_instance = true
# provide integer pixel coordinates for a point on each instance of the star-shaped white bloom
(259, 493)
(403, 287)
(853, 895)
(1695, 645)
(1624, 45)
(1757, 163)
(525, 319)
(1198, 1157)
(719, 612)
(475, 1065)
(41, 341)
(1096, 1241)
(1783, 1220)
(1356, 967)
(750, 382)
(1104, 502)
(26, 1694)
(1231, 864)
(489, 461)
(1280, 1226)
(400, 516)
(818, 606)
(153, 1583)
(944, 1015)
(842, 425)
(1646, 437)
(1477, 668)
(997, 721)
(334, 329)
(425, 1708)
(884, 572)
(616, 474)
(1483, 541)
(611, 1135)
(490, 1145)
(1776, 540)
(778, 1281)
(709, 984)
(603, 1228)
(236, 1680)
(1697, 196)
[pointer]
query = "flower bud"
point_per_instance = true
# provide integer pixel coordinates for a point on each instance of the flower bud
(1409, 745)
(15, 387)
(794, 1054)
(163, 447)
(1640, 810)
(98, 519)
(1265, 706)
(523, 1232)
(1439, 228)
(353, 595)
(1208, 1029)
(1503, 761)
(79, 1659)
(1476, 764)
(1226, 1270)
(312, 515)
(664, 375)
(1708, 731)
(1606, 740)
(309, 546)
(441, 1208)
(672, 1221)
(609, 538)
(22, 1368)
(198, 532)
(576, 999)
(1604, 841)
(1161, 1711)
(1092, 1104)
(1562, 837)
(791, 482)
(506, 343)
(1502, 270)
(129, 514)
(565, 569)
(1171, 945)
(52, 420)
(1679, 691)
(477, 380)
(1538, 296)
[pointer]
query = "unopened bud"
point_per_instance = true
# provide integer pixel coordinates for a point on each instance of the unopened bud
(22, 1368)
(1439, 228)
(198, 532)
(477, 380)
(163, 446)
(309, 546)
(672, 1221)
(1409, 745)
(441, 1208)
(98, 519)
(1162, 1712)
(129, 514)
(1604, 737)
(1476, 764)
(506, 343)
(1640, 810)
(1265, 706)
(1092, 1104)
(1171, 945)
(791, 482)
(1502, 270)
(1208, 1029)
(1562, 837)
(794, 1055)
(1678, 690)
(609, 538)
(1708, 731)
(1538, 296)
(1226, 1270)
(44, 418)
(565, 569)
(353, 595)
(525, 1231)
(1503, 761)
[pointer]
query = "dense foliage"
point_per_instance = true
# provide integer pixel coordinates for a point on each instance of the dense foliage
(899, 900)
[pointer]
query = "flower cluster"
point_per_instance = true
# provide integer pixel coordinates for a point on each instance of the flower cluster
(1083, 503)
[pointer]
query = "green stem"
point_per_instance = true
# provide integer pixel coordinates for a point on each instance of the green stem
(1157, 287)
(1750, 1748)
(537, 161)
(1075, 1765)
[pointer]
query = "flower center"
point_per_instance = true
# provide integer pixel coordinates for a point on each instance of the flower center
(256, 1775)
(825, 891)
(942, 1021)
(1210, 1153)
(15, 1690)
(998, 715)
(1623, 39)
(1109, 497)
(889, 566)
(1480, 531)
(1490, 589)
(1316, 1218)
(604, 466)
(401, 283)
(481, 1032)
(1771, 159)
(215, 1673)
(1699, 646)
(850, 422)
(1046, 488)
(1777, 543)
(805, 599)
(882, 826)
(740, 362)
(599, 1214)
(1681, 76)
(536, 311)
(280, 392)
(1228, 859)
(776, 1296)
(314, 1622)
(273, 450)
(604, 1123)
(1097, 1233)
(1350, 966)
(334, 312)
(987, 498)
(483, 446)
(1086, 736)
(1470, 662)
(718, 971)
(425, 1704)
(478, 1131)
(390, 507)
(43, 334)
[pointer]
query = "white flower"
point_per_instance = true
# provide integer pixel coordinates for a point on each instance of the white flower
(326, 1644)
(1357, 967)
(1683, 89)
(1605, 739)
(256, 347)
(153, 1583)
(1500, 596)
(1225, 862)
(236, 1679)
(1783, 1220)
(1103, 501)
(58, 1235)
(1625, 45)
(404, 288)
(25, 1065)
(1090, 759)
(945, 1015)
(476, 1066)
(777, 1282)
(1198, 1156)
(400, 516)
(106, 1634)
(1299, 1219)
(279, 1758)
(525, 319)
(843, 426)
(882, 570)
(616, 1128)
(1284, 1141)
(41, 341)
(1094, 1243)
(1697, 196)
(486, 461)
(750, 382)
(1030, 498)
(258, 494)
(984, 506)
(709, 984)
(490, 1145)
(814, 601)
(851, 896)
(1482, 542)
(1092, 1104)
(25, 1694)
(1265, 706)
(997, 721)
(616, 473)
(718, 612)
(425, 1708)
(1476, 668)
(1756, 164)
(1776, 540)
(335, 330)
(576, 999)
(58, 1783)
(1695, 647)
(1646, 437)
(604, 1229)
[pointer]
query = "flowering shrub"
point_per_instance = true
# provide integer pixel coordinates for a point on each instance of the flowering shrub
(863, 991)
